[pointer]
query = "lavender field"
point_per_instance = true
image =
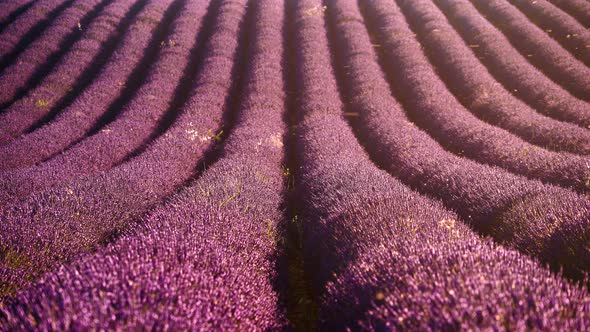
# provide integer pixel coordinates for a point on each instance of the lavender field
(295, 165)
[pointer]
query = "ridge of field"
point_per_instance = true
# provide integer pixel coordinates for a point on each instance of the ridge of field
(294, 165)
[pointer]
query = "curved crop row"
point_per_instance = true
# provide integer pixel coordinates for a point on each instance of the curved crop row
(479, 92)
(207, 257)
(11, 10)
(24, 29)
(493, 201)
(114, 82)
(172, 276)
(442, 278)
(7, 8)
(579, 9)
(430, 105)
(544, 52)
(64, 76)
(382, 256)
(560, 26)
(43, 50)
(104, 204)
(102, 150)
(510, 68)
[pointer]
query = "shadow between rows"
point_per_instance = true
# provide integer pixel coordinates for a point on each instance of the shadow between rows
(15, 14)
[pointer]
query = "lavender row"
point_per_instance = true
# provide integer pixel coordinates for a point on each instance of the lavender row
(138, 119)
(436, 277)
(540, 49)
(35, 18)
(206, 258)
(579, 9)
(10, 10)
(559, 25)
(194, 269)
(431, 105)
(226, 221)
(480, 93)
(7, 8)
(512, 69)
(65, 75)
(540, 220)
(105, 204)
(67, 25)
(118, 76)
(364, 229)
(336, 181)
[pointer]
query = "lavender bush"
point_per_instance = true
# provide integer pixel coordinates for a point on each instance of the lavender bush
(205, 259)
(540, 49)
(511, 68)
(559, 25)
(472, 84)
(40, 100)
(56, 36)
(293, 165)
(578, 9)
(383, 257)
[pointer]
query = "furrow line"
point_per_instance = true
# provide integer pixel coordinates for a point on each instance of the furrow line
(579, 9)
(431, 106)
(106, 204)
(301, 306)
(199, 234)
(559, 25)
(510, 68)
(103, 150)
(45, 52)
(479, 92)
(76, 70)
(538, 48)
(377, 248)
(491, 200)
(26, 28)
(12, 10)
(98, 105)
